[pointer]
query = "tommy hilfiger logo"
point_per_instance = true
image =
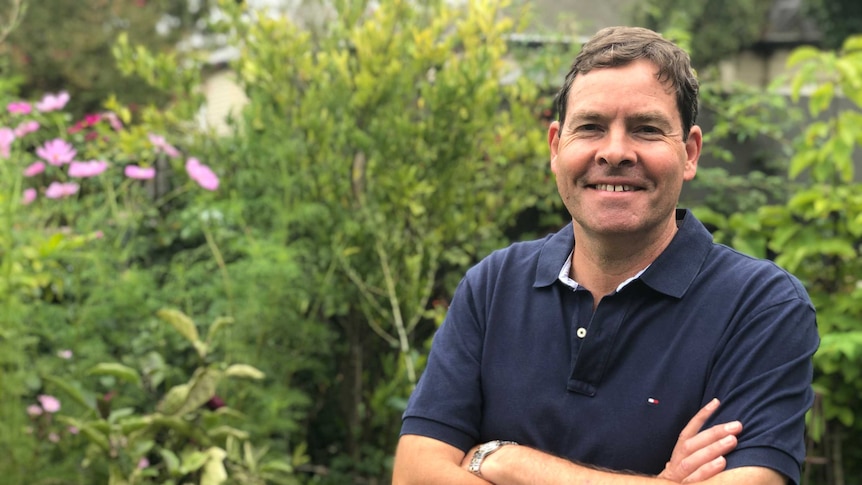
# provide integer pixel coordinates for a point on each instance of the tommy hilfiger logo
(652, 401)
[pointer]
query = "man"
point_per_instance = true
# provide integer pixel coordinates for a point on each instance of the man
(627, 348)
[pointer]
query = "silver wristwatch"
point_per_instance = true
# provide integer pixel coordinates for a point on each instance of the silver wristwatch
(482, 452)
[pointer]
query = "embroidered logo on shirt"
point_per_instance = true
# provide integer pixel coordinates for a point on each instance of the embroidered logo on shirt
(652, 401)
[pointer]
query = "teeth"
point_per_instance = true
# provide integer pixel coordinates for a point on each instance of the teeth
(614, 188)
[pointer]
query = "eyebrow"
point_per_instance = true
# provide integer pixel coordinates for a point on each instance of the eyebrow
(645, 117)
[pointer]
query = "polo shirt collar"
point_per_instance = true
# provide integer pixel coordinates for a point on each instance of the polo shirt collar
(671, 273)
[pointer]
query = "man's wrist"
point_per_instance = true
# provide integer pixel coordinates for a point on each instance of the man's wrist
(484, 451)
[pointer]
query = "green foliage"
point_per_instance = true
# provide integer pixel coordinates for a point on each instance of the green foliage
(71, 264)
(184, 438)
(743, 117)
(13, 12)
(66, 44)
(388, 154)
(720, 27)
(836, 20)
(817, 233)
(393, 150)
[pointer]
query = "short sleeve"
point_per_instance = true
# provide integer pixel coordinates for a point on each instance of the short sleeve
(447, 402)
(762, 375)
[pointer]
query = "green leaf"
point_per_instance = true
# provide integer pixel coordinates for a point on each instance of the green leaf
(852, 43)
(222, 432)
(174, 398)
(782, 236)
(216, 327)
(710, 217)
(120, 413)
(116, 475)
(244, 370)
(214, 472)
(95, 431)
(821, 98)
(171, 461)
(175, 423)
(845, 415)
(135, 423)
(203, 387)
(801, 161)
(71, 390)
(120, 371)
(753, 246)
(278, 466)
(182, 323)
(95, 436)
(192, 461)
(855, 226)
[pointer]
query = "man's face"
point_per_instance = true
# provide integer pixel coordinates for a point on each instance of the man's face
(620, 159)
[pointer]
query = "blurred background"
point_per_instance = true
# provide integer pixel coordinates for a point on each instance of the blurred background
(229, 229)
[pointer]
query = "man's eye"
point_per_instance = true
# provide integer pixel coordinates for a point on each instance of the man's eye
(588, 127)
(649, 130)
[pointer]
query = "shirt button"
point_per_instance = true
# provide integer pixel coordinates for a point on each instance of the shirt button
(582, 332)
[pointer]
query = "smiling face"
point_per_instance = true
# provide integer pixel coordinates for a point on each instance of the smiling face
(620, 157)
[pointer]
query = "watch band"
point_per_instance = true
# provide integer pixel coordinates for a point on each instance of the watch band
(482, 452)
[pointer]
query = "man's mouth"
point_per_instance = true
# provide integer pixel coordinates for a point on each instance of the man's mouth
(614, 188)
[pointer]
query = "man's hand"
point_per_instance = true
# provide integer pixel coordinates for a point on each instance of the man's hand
(699, 455)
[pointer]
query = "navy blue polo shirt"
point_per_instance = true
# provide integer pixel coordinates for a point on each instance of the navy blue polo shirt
(523, 357)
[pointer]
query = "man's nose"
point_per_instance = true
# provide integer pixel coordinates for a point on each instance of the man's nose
(616, 149)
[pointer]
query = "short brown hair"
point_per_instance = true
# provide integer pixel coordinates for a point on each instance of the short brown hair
(618, 46)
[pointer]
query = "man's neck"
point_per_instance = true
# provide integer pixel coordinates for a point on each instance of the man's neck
(601, 264)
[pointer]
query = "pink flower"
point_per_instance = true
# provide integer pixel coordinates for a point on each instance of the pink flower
(26, 127)
(53, 437)
(87, 169)
(139, 173)
(49, 403)
(156, 140)
(34, 410)
(19, 107)
(73, 430)
(202, 174)
(114, 121)
(171, 151)
(28, 196)
(143, 463)
(56, 152)
(92, 118)
(162, 145)
(64, 354)
(88, 121)
(75, 128)
(59, 190)
(53, 102)
(7, 136)
(34, 169)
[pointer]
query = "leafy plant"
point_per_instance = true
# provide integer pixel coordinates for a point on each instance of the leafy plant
(817, 234)
(187, 436)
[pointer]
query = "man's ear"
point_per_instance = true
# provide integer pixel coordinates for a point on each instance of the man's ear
(693, 146)
(554, 143)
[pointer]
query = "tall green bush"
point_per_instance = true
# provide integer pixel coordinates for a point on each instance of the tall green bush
(388, 146)
(817, 235)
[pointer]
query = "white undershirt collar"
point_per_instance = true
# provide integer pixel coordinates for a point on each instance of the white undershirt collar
(568, 281)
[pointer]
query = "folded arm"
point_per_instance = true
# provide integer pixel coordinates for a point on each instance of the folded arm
(426, 461)
(519, 465)
(698, 457)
